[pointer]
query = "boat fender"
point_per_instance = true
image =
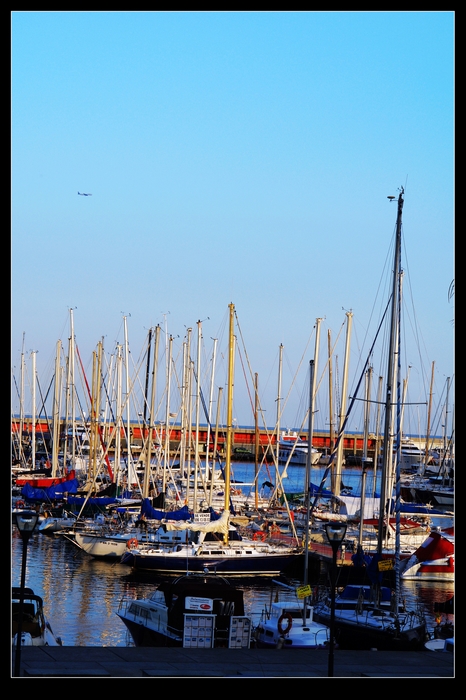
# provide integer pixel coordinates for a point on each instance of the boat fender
(259, 536)
(132, 543)
(289, 622)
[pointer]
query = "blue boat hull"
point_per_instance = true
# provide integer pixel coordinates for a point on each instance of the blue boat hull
(267, 565)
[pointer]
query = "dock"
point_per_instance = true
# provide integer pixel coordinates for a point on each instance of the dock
(151, 662)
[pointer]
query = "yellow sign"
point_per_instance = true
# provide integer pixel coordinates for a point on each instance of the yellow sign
(385, 565)
(303, 591)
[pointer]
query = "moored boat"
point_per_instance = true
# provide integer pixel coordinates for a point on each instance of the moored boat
(201, 611)
(214, 547)
(293, 450)
(434, 560)
(290, 624)
(373, 616)
(35, 627)
(368, 617)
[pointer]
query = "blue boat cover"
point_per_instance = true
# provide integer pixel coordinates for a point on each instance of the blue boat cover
(51, 493)
(98, 501)
(154, 514)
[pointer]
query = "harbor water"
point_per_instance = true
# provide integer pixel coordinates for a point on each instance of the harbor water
(81, 594)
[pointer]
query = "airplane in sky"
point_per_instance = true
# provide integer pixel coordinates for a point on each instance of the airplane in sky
(84, 194)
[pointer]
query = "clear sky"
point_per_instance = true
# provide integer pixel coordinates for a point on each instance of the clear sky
(240, 157)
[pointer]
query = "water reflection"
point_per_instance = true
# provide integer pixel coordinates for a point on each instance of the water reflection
(81, 594)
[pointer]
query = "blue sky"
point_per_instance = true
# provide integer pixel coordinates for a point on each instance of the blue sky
(232, 157)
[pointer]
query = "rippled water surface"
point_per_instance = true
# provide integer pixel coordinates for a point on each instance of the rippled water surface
(81, 594)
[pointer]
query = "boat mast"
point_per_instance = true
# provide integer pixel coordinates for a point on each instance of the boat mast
(279, 391)
(33, 417)
(310, 431)
(426, 458)
(197, 465)
(214, 458)
(209, 416)
(330, 401)
(368, 379)
(147, 470)
(256, 440)
(117, 454)
(344, 390)
(231, 365)
(56, 412)
(167, 418)
(391, 373)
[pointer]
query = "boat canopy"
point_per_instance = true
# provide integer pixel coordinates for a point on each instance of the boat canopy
(50, 493)
(220, 525)
(153, 514)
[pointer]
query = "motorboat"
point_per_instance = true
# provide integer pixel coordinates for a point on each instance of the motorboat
(289, 624)
(370, 617)
(198, 611)
(35, 627)
(293, 451)
(412, 457)
(55, 520)
(441, 644)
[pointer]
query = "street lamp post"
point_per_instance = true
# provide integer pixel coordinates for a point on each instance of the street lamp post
(335, 534)
(26, 522)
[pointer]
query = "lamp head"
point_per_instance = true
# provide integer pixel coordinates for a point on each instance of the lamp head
(26, 521)
(335, 533)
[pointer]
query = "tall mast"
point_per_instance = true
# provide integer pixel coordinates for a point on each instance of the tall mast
(256, 440)
(33, 417)
(198, 409)
(310, 436)
(117, 455)
(209, 416)
(391, 373)
(426, 457)
(279, 391)
(229, 426)
(330, 401)
(56, 412)
(339, 458)
(147, 470)
(167, 417)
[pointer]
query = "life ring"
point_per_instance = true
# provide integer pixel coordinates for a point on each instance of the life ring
(132, 543)
(289, 621)
(259, 535)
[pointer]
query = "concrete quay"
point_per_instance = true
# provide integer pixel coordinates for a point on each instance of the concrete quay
(150, 662)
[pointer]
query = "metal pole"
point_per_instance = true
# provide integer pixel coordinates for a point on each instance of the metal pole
(332, 611)
(17, 671)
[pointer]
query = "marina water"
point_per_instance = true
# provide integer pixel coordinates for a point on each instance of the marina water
(81, 594)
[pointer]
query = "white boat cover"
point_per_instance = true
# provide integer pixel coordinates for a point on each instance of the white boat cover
(220, 525)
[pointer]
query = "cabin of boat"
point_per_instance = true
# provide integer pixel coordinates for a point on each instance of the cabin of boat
(283, 626)
(35, 628)
(193, 611)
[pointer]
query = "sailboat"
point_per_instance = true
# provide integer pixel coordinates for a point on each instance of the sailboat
(372, 616)
(434, 560)
(214, 545)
